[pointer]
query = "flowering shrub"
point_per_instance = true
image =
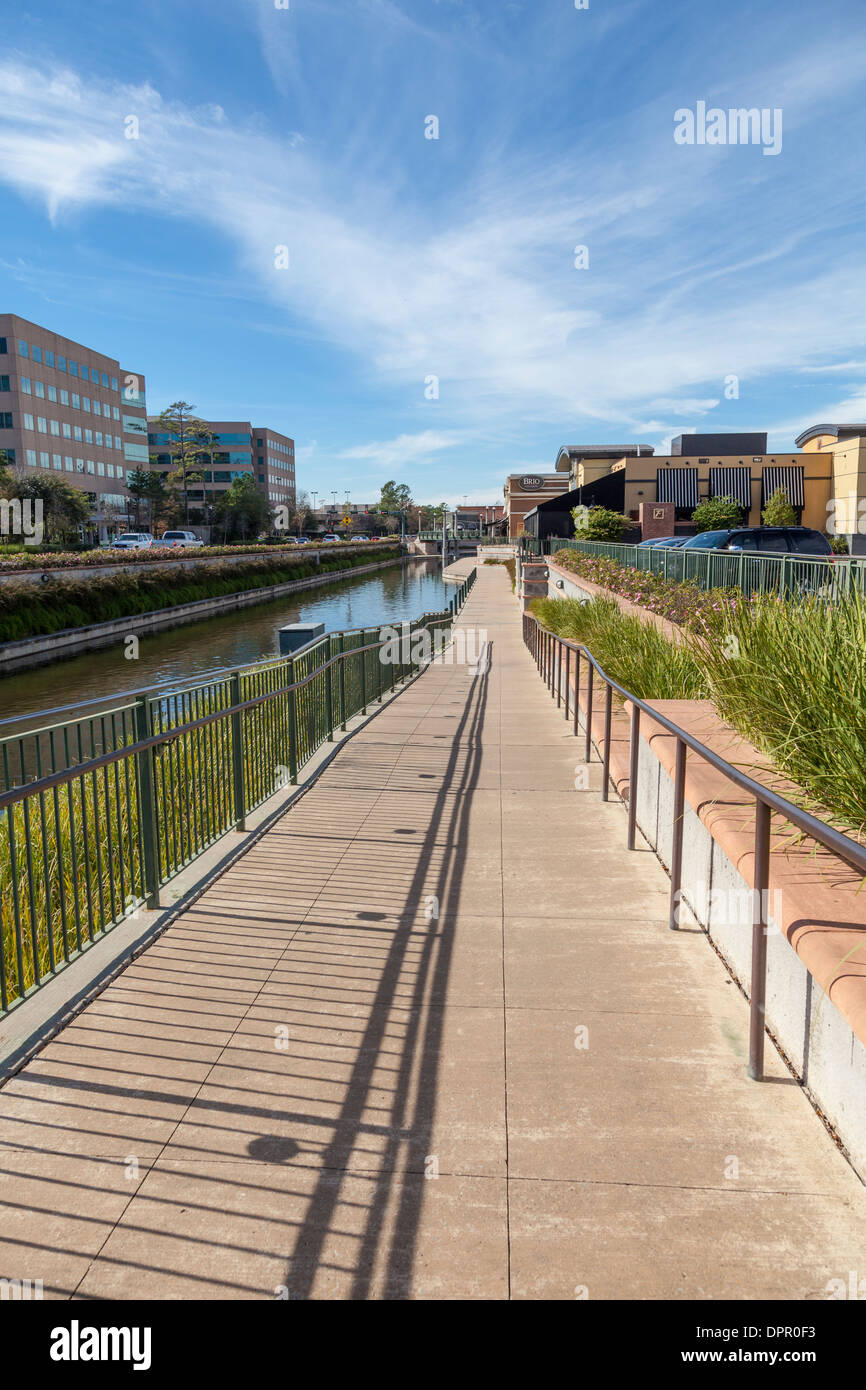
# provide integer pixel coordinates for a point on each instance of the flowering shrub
(34, 610)
(683, 603)
(90, 559)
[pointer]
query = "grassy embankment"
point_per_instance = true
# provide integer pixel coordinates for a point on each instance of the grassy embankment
(30, 611)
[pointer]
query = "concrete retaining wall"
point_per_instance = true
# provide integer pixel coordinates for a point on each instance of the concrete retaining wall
(818, 1041)
(41, 651)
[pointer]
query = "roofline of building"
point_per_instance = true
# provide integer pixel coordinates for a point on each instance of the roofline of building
(599, 451)
(814, 430)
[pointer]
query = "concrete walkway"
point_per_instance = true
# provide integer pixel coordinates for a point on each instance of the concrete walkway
(312, 1086)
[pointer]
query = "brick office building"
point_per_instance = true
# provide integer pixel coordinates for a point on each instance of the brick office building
(68, 409)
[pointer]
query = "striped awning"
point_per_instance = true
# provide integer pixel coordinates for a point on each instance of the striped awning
(677, 485)
(788, 478)
(732, 482)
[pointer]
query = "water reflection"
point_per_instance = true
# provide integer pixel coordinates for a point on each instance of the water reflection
(237, 639)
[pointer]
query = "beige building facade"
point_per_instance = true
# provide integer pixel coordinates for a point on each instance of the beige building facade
(67, 409)
(524, 491)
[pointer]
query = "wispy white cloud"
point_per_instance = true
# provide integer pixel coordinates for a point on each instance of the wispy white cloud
(406, 451)
(484, 294)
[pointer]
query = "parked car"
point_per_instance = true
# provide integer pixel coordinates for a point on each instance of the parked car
(180, 538)
(303, 540)
(330, 540)
(764, 540)
(662, 540)
(356, 539)
(132, 540)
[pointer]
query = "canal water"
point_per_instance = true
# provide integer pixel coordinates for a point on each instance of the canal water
(237, 639)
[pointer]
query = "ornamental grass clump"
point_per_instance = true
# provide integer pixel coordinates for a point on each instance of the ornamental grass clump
(790, 676)
(634, 653)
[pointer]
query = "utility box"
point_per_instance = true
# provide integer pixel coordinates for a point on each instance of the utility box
(296, 635)
(534, 577)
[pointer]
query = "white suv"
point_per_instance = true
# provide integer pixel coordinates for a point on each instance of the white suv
(132, 540)
(180, 538)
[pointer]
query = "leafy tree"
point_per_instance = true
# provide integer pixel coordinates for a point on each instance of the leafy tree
(599, 524)
(778, 511)
(149, 493)
(396, 497)
(190, 438)
(301, 517)
(65, 509)
(717, 514)
(242, 511)
(204, 443)
(7, 480)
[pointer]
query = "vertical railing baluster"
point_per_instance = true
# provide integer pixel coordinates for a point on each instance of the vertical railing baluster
(147, 805)
(760, 895)
(677, 846)
(293, 724)
(567, 680)
(588, 721)
(559, 673)
(342, 682)
(605, 776)
(238, 754)
(633, 754)
(576, 691)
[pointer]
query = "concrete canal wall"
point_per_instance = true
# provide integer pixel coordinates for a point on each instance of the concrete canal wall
(42, 650)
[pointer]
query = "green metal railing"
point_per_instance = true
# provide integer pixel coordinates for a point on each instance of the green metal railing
(100, 810)
(559, 663)
(829, 576)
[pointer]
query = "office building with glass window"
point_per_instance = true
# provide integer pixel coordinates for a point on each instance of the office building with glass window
(240, 448)
(68, 409)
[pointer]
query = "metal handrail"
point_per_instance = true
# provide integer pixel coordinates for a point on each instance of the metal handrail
(90, 841)
(751, 572)
(547, 647)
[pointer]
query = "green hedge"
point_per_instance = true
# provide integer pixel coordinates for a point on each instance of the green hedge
(30, 610)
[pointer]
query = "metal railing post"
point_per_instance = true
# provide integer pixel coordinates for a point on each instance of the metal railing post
(293, 725)
(588, 752)
(558, 673)
(608, 703)
(576, 692)
(633, 754)
(342, 682)
(567, 680)
(238, 754)
(677, 847)
(760, 894)
(147, 797)
(329, 697)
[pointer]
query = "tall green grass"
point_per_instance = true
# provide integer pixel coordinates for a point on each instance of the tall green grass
(789, 674)
(636, 654)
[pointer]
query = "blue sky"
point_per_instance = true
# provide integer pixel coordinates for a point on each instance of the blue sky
(412, 258)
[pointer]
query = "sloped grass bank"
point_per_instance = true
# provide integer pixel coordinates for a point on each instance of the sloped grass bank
(28, 611)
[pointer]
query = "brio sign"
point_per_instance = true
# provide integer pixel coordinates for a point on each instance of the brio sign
(531, 483)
